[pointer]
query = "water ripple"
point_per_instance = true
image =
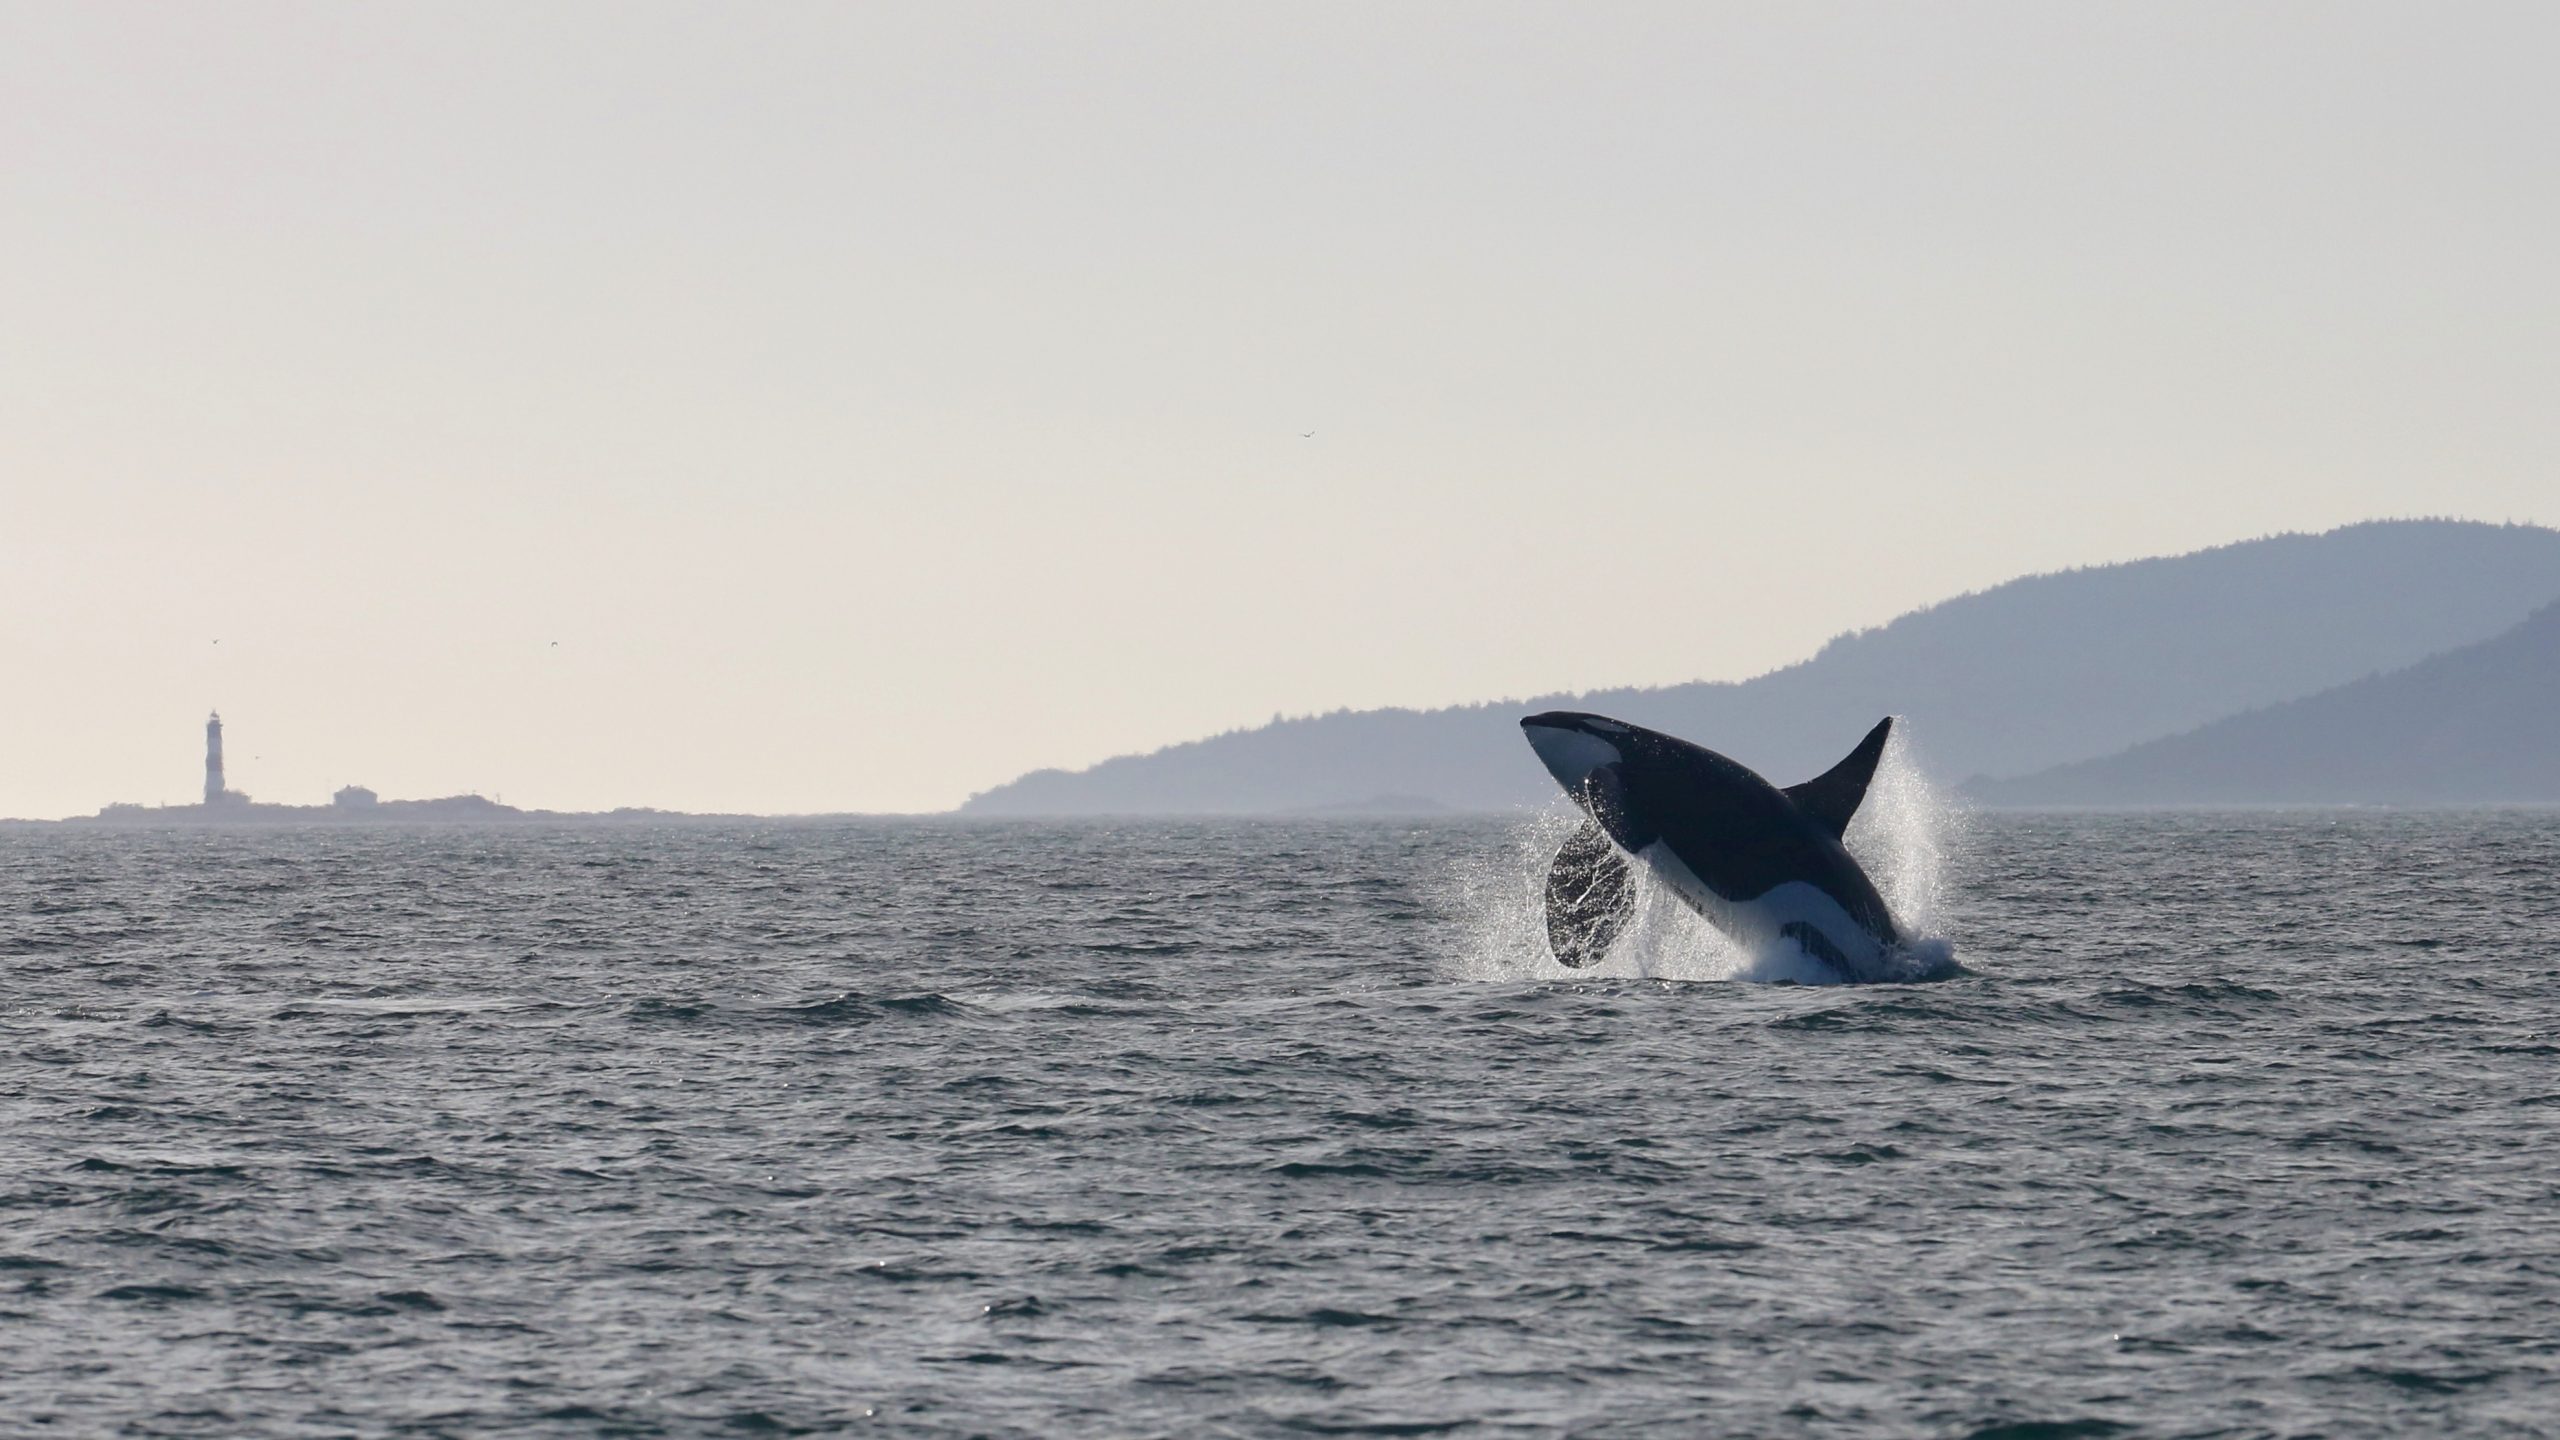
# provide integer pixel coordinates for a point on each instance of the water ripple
(2236, 1125)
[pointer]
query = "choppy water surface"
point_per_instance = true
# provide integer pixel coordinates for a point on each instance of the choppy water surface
(2237, 1125)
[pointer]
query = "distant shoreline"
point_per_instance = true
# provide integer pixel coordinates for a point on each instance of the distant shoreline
(451, 810)
(281, 817)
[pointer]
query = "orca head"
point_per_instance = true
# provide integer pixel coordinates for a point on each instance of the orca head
(1588, 755)
(1572, 745)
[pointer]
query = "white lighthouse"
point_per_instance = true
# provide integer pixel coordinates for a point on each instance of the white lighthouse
(215, 792)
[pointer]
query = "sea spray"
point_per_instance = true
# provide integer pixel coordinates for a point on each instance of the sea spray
(1902, 835)
(1499, 897)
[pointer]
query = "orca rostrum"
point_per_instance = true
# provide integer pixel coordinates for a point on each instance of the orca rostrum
(1763, 865)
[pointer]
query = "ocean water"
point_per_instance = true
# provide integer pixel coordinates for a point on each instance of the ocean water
(2231, 1125)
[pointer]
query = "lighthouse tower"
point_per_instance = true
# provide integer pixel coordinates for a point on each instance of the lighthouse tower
(214, 789)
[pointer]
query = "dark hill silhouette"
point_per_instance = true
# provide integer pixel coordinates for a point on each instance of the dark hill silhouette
(2478, 724)
(2003, 682)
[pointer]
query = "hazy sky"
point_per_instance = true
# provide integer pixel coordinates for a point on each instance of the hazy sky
(875, 402)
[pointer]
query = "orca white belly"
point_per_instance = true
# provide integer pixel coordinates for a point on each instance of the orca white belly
(1783, 916)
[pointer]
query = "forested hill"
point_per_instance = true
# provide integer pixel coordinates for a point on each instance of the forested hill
(2478, 724)
(2009, 681)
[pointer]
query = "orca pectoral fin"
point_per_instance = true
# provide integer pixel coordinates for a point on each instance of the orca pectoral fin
(1831, 799)
(1590, 895)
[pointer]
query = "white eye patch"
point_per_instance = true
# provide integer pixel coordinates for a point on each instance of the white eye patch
(1570, 755)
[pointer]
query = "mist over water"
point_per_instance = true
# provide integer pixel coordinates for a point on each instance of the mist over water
(2235, 1125)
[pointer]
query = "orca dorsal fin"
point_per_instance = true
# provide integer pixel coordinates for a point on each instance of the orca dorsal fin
(1829, 799)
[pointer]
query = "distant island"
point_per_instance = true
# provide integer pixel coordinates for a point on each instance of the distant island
(449, 809)
(351, 805)
(2014, 681)
(2477, 725)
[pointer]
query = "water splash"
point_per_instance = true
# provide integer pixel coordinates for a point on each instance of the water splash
(1902, 835)
(1500, 897)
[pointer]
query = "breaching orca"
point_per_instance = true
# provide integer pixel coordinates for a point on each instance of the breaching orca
(1762, 864)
